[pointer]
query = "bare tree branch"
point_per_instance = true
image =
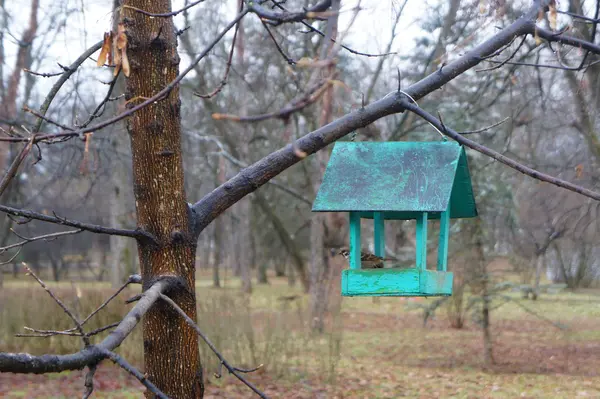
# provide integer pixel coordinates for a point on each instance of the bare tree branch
(497, 156)
(26, 363)
(167, 14)
(45, 237)
(139, 234)
(289, 16)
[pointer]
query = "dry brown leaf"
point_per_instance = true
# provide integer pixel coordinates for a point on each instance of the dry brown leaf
(125, 63)
(552, 16)
(121, 37)
(579, 171)
(105, 51)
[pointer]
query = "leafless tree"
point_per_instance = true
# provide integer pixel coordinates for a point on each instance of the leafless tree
(168, 227)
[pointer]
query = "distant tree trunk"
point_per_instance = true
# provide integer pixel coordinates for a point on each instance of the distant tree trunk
(244, 206)
(171, 353)
(319, 279)
(539, 266)
(279, 267)
(483, 277)
(285, 238)
(262, 273)
(291, 275)
(119, 183)
(318, 273)
(217, 260)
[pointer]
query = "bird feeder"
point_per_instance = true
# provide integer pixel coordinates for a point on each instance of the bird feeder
(398, 181)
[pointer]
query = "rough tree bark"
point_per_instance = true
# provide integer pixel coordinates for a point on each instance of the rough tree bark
(170, 346)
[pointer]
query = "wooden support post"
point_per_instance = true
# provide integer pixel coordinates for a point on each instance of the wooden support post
(422, 241)
(442, 262)
(379, 231)
(354, 240)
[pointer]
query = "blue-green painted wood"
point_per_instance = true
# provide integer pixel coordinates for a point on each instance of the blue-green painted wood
(354, 240)
(442, 261)
(379, 232)
(421, 236)
(396, 282)
(398, 178)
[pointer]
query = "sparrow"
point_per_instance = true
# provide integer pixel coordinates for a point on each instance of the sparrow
(367, 259)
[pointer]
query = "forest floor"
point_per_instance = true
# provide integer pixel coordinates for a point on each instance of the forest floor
(549, 348)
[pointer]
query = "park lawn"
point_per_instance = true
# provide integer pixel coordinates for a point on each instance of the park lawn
(371, 350)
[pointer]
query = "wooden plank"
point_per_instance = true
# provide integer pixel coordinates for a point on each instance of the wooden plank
(396, 282)
(442, 262)
(422, 241)
(434, 283)
(379, 231)
(354, 240)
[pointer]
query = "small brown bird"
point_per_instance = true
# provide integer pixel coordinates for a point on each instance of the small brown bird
(367, 259)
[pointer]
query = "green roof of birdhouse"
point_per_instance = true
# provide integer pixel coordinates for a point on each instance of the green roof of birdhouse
(401, 179)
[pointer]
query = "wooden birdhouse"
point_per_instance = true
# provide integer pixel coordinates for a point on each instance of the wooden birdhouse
(397, 181)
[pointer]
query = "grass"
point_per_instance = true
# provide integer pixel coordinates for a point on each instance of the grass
(377, 350)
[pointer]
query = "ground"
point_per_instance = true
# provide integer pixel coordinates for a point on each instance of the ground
(371, 350)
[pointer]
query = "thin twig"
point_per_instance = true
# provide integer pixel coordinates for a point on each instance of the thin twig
(233, 370)
(133, 279)
(69, 332)
(61, 81)
(119, 361)
(510, 57)
(43, 75)
(223, 82)
(166, 14)
(311, 96)
(287, 58)
(45, 237)
(85, 339)
(483, 129)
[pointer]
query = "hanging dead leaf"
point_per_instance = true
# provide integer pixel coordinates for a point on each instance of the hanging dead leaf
(538, 40)
(125, 63)
(552, 15)
(105, 51)
(121, 37)
(579, 171)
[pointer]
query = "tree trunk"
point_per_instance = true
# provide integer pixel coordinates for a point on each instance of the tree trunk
(539, 265)
(318, 273)
(261, 276)
(171, 356)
